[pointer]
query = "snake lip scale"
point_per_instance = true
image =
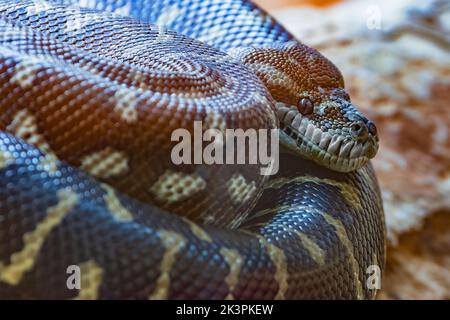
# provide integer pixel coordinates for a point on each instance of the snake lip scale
(90, 93)
(332, 149)
(334, 157)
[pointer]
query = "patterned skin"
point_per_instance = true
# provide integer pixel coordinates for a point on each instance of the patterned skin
(313, 108)
(102, 92)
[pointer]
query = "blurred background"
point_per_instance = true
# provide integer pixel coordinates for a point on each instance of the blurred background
(395, 58)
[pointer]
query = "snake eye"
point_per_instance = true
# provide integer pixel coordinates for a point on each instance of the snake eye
(305, 106)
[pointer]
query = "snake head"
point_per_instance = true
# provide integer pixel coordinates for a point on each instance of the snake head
(317, 118)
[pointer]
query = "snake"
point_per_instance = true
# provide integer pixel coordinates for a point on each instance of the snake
(93, 95)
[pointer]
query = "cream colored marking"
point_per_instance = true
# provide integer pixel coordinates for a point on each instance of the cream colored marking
(124, 10)
(106, 163)
(24, 126)
(235, 262)
(275, 209)
(115, 206)
(262, 99)
(372, 186)
(91, 279)
(239, 189)
(343, 237)
(319, 255)
(5, 159)
(296, 63)
(168, 16)
(86, 3)
(126, 104)
(173, 242)
(79, 22)
(365, 173)
(38, 6)
(176, 186)
(198, 231)
(25, 72)
(49, 163)
(139, 78)
(274, 75)
(22, 261)
(162, 36)
(315, 252)
(349, 192)
(130, 53)
(279, 261)
(268, 105)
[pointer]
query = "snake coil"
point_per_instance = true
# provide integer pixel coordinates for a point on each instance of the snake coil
(90, 94)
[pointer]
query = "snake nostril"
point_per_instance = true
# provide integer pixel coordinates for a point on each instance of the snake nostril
(372, 128)
(359, 130)
(356, 127)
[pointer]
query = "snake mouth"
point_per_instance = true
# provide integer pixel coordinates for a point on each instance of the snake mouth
(337, 152)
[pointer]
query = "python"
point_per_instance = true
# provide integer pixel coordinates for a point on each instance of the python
(86, 175)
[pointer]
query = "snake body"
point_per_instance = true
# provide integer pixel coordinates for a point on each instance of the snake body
(90, 93)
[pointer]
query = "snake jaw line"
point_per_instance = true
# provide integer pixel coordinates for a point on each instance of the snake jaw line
(336, 149)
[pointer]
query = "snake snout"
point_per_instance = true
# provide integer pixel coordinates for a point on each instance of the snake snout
(365, 134)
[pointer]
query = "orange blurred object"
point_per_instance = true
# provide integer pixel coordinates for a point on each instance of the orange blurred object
(273, 5)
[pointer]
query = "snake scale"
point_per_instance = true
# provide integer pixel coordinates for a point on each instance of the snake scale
(90, 93)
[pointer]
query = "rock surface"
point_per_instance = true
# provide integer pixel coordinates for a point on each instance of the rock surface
(395, 58)
(418, 268)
